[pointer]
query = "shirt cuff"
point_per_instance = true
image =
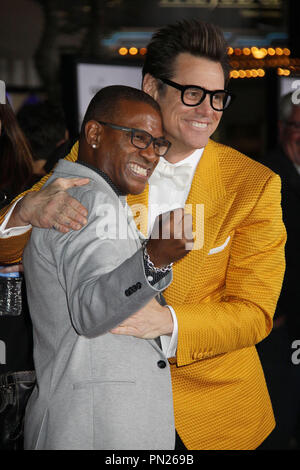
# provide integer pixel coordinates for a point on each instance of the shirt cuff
(12, 231)
(169, 343)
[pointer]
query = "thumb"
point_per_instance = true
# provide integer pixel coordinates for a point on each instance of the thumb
(66, 183)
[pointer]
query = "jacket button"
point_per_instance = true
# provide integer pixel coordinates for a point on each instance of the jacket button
(161, 364)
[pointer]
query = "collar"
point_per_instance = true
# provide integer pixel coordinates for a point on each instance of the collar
(192, 159)
(103, 175)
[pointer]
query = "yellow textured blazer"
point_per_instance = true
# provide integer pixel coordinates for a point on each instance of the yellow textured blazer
(224, 294)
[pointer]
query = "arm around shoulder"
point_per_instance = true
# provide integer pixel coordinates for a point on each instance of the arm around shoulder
(104, 275)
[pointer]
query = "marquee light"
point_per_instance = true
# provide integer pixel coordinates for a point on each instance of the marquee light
(133, 51)
(123, 51)
(285, 72)
(258, 52)
(255, 52)
(248, 73)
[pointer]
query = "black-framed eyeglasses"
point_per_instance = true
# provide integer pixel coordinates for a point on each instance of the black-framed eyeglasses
(142, 139)
(193, 95)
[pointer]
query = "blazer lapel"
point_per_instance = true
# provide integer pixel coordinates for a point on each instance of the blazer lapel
(207, 194)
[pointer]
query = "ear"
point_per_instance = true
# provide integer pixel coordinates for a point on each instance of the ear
(150, 86)
(93, 132)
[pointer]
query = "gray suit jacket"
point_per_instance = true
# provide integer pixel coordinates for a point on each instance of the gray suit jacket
(95, 390)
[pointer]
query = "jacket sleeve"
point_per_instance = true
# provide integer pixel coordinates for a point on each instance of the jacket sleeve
(242, 316)
(11, 249)
(103, 289)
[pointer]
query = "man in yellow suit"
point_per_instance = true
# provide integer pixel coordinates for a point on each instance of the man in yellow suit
(224, 293)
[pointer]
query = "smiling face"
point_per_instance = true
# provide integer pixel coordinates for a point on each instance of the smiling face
(188, 128)
(127, 166)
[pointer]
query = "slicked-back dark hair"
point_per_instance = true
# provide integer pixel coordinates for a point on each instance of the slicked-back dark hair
(191, 36)
(104, 105)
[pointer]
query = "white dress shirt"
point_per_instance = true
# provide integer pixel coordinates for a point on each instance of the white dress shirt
(164, 195)
(13, 231)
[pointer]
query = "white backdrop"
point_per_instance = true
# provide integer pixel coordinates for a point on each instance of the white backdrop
(92, 77)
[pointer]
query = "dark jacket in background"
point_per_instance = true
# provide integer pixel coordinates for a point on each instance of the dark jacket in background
(289, 301)
(282, 375)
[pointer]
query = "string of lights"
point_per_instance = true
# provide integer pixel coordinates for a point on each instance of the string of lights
(246, 62)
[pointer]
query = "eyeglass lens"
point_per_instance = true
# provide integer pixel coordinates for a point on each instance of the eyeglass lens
(142, 140)
(193, 96)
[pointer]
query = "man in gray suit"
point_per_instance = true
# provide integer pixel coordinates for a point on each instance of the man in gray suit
(97, 390)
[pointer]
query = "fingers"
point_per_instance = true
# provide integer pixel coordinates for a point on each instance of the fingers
(70, 214)
(167, 223)
(78, 209)
(64, 224)
(188, 232)
(188, 226)
(60, 214)
(177, 219)
(181, 224)
(149, 322)
(178, 214)
(183, 221)
(61, 227)
(56, 208)
(51, 206)
(123, 330)
(171, 238)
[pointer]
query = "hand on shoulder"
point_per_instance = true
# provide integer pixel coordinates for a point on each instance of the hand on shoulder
(51, 207)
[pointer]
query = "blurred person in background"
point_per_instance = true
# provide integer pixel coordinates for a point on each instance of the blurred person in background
(16, 165)
(16, 362)
(45, 128)
(282, 374)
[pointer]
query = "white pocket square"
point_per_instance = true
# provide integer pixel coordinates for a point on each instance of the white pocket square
(219, 248)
